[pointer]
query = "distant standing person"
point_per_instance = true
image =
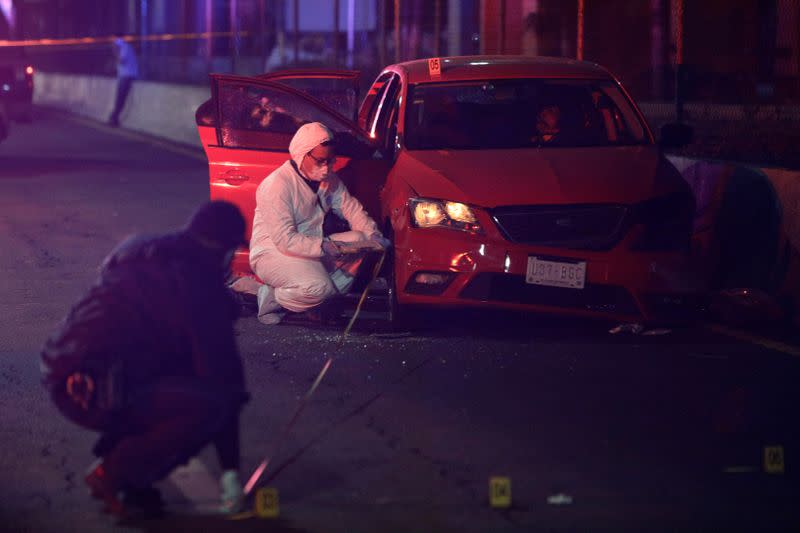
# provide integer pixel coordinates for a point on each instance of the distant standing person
(127, 71)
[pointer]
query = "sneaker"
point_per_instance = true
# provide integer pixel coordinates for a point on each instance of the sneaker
(270, 311)
(101, 489)
(232, 495)
(270, 319)
(266, 299)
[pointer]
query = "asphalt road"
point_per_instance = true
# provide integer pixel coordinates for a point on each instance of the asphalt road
(627, 432)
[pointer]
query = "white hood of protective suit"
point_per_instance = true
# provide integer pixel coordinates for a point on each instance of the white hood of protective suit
(308, 137)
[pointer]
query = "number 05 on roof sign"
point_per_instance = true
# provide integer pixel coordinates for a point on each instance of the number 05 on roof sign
(434, 66)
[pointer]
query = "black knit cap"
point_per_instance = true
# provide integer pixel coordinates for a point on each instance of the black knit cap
(218, 224)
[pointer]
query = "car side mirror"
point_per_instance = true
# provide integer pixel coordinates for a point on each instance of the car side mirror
(676, 135)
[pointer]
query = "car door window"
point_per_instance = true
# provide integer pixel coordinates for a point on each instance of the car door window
(374, 99)
(385, 124)
(338, 90)
(264, 115)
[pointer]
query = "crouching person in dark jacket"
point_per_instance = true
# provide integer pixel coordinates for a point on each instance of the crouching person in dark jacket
(148, 359)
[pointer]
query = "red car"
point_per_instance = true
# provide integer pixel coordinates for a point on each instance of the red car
(513, 182)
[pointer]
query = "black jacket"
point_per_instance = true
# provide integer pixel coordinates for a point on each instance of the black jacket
(160, 307)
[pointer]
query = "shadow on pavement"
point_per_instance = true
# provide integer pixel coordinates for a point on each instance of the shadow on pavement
(492, 325)
(190, 522)
(505, 325)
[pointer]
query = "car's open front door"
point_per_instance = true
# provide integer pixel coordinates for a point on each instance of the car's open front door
(254, 120)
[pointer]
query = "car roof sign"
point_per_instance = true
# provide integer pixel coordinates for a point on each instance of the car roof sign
(434, 66)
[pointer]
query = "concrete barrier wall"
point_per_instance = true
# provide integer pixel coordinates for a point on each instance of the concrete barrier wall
(164, 110)
(90, 96)
(159, 109)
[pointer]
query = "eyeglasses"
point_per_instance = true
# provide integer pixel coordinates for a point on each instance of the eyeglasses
(323, 162)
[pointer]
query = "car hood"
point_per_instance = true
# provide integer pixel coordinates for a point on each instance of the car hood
(491, 178)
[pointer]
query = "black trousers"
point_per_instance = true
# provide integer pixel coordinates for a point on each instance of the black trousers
(123, 88)
(163, 425)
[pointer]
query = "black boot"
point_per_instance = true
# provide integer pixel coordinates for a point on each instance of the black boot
(134, 503)
(143, 502)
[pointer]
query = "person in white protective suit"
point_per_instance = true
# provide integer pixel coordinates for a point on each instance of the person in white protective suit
(301, 268)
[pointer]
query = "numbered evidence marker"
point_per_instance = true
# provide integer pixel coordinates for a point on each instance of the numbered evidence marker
(267, 503)
(500, 492)
(773, 459)
(434, 66)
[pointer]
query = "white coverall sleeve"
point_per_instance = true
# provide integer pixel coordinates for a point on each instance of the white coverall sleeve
(349, 208)
(276, 201)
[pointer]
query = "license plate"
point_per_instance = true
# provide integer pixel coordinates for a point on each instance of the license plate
(556, 273)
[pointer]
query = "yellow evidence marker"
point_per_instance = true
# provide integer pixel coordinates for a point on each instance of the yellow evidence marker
(267, 503)
(500, 492)
(773, 460)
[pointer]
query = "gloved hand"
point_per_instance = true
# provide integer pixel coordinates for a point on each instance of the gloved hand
(380, 240)
(331, 248)
(232, 495)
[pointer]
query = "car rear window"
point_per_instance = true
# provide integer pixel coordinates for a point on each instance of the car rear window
(520, 113)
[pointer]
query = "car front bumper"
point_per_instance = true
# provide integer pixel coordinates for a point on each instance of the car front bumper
(490, 271)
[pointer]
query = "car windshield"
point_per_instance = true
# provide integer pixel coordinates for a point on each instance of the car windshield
(520, 113)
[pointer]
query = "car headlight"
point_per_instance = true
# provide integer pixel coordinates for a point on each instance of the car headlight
(428, 213)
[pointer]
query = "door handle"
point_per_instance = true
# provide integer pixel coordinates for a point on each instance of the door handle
(235, 179)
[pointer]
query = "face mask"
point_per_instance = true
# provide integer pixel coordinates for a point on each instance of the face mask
(318, 173)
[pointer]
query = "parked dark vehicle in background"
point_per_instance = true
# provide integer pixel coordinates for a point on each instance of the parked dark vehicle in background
(16, 83)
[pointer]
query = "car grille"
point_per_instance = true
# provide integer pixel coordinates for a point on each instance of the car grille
(581, 227)
(496, 287)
